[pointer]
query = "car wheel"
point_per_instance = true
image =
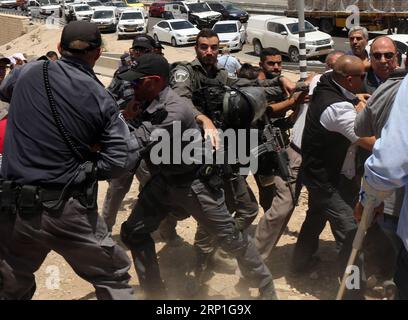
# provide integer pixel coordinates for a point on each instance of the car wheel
(156, 38)
(174, 42)
(294, 54)
(257, 47)
(161, 15)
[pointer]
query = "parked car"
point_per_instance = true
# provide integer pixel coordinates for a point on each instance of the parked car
(401, 41)
(134, 3)
(156, 9)
(198, 13)
(120, 7)
(231, 34)
(78, 12)
(131, 22)
(94, 4)
(38, 8)
(105, 18)
(175, 31)
(282, 33)
(229, 11)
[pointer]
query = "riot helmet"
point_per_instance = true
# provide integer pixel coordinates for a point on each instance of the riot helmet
(243, 106)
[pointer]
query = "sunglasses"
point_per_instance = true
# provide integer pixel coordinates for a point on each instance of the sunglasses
(387, 55)
(138, 82)
(362, 76)
(272, 63)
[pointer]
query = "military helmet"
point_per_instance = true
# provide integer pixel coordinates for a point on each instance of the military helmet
(243, 106)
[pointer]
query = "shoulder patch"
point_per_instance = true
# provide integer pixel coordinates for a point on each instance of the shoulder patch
(181, 75)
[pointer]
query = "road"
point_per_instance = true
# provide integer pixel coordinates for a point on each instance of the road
(247, 55)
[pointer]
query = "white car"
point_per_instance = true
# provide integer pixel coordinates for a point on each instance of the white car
(175, 31)
(231, 34)
(105, 18)
(401, 41)
(131, 22)
(282, 33)
(120, 7)
(79, 12)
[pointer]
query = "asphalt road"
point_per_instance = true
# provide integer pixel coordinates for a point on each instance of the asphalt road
(340, 40)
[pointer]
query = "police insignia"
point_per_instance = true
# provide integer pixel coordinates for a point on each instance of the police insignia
(181, 75)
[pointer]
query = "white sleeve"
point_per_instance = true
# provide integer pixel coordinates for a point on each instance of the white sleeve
(340, 117)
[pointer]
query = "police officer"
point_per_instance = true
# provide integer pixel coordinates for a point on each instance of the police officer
(50, 169)
(123, 93)
(179, 187)
(189, 80)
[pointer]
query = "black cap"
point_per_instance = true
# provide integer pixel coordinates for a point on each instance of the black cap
(142, 41)
(4, 59)
(149, 64)
(158, 45)
(80, 36)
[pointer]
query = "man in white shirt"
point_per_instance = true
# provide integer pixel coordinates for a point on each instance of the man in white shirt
(328, 153)
(229, 62)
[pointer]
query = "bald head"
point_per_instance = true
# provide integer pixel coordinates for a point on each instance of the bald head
(348, 65)
(384, 59)
(332, 58)
(348, 71)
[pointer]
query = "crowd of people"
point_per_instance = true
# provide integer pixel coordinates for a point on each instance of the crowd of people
(63, 132)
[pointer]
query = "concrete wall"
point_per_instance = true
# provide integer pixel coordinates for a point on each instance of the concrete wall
(12, 27)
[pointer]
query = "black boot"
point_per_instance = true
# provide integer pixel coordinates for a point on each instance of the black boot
(268, 292)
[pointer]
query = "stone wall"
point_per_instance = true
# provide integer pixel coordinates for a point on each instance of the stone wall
(12, 27)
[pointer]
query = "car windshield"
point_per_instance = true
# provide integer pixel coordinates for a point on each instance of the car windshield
(94, 3)
(131, 16)
(45, 2)
(181, 25)
(119, 4)
(198, 7)
(103, 14)
(231, 7)
(294, 27)
(83, 8)
(225, 28)
(133, 1)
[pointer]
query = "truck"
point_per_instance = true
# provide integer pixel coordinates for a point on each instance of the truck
(333, 15)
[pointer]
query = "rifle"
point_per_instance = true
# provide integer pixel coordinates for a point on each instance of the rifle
(274, 145)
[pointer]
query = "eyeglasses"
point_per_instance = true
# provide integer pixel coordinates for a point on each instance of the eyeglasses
(272, 63)
(387, 55)
(137, 82)
(140, 50)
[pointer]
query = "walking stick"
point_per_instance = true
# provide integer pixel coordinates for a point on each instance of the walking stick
(366, 220)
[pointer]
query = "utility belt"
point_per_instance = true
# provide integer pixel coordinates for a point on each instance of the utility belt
(29, 199)
(213, 175)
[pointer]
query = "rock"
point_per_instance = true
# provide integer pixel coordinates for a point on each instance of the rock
(8, 47)
(314, 276)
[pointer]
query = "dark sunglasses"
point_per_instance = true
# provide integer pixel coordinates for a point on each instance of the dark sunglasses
(272, 63)
(137, 82)
(387, 55)
(362, 76)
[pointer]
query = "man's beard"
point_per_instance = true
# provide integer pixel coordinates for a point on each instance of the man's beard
(208, 61)
(271, 75)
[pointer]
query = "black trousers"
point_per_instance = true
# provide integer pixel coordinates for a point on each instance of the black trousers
(335, 207)
(207, 206)
(81, 237)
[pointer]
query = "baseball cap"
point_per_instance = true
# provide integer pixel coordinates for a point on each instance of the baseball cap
(150, 64)
(142, 41)
(19, 56)
(4, 59)
(80, 36)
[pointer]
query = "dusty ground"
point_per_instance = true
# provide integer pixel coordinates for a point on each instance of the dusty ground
(321, 284)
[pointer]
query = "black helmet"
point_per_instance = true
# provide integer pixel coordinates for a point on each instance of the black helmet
(243, 106)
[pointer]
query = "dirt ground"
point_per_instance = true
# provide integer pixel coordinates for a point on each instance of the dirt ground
(175, 261)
